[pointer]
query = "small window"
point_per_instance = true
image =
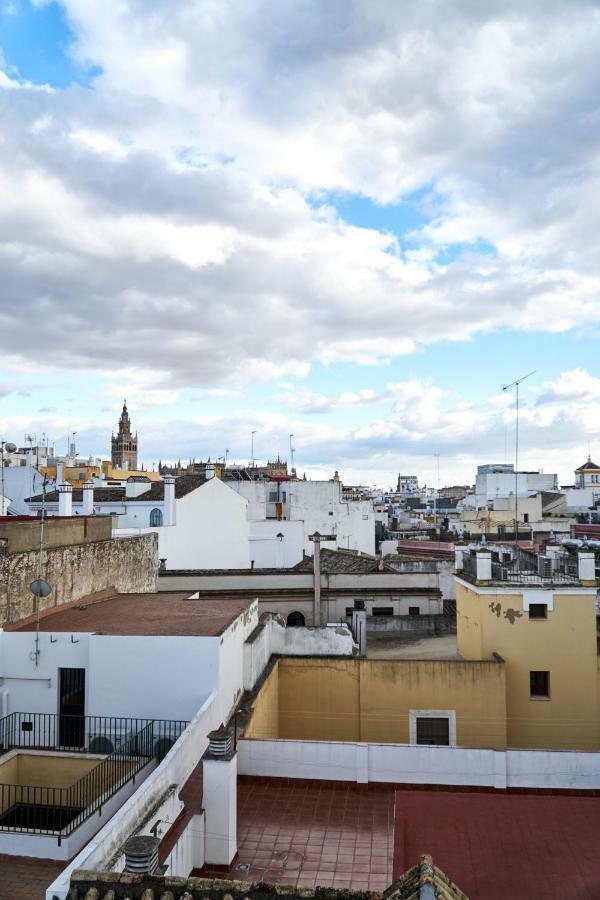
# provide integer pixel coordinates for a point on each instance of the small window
(383, 611)
(526, 517)
(539, 684)
(272, 496)
(349, 610)
(433, 731)
(283, 496)
(538, 611)
(156, 518)
(414, 610)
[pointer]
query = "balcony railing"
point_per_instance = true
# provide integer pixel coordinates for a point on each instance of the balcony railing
(129, 746)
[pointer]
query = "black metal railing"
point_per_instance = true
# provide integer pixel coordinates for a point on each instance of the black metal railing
(128, 746)
(80, 734)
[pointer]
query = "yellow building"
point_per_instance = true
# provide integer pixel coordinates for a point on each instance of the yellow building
(544, 628)
(526, 675)
(76, 475)
(382, 701)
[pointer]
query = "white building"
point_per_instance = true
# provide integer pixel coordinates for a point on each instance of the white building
(200, 523)
(283, 513)
(20, 482)
(499, 480)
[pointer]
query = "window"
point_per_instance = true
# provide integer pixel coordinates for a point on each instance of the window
(432, 726)
(539, 684)
(538, 611)
(383, 611)
(349, 610)
(414, 610)
(283, 496)
(156, 518)
(296, 620)
(272, 496)
(526, 517)
(433, 730)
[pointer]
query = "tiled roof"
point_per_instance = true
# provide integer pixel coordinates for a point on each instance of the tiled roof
(340, 562)
(424, 880)
(589, 465)
(184, 484)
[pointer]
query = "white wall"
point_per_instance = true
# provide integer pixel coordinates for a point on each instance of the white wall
(160, 677)
(211, 530)
(406, 764)
(490, 485)
(268, 551)
(319, 506)
(21, 482)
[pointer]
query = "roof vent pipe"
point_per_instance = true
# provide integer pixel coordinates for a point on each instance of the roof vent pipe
(219, 742)
(141, 854)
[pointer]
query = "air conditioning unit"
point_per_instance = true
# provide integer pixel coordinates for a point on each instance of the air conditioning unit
(544, 566)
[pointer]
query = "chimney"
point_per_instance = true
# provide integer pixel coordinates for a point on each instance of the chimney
(586, 568)
(65, 499)
(219, 775)
(169, 501)
(88, 498)
(141, 854)
(209, 471)
(483, 561)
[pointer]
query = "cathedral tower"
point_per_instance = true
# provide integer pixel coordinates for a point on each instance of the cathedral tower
(124, 446)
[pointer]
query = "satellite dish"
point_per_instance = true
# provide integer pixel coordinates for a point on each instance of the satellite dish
(10, 448)
(40, 588)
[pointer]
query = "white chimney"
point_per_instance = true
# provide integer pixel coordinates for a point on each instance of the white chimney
(88, 498)
(586, 565)
(484, 565)
(169, 501)
(209, 471)
(65, 500)
(59, 472)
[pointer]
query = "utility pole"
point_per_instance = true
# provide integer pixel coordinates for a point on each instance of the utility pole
(252, 449)
(436, 493)
(507, 387)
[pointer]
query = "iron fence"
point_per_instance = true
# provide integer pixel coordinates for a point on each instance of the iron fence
(128, 746)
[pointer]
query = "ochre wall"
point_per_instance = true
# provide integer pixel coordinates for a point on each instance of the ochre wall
(370, 700)
(264, 722)
(563, 644)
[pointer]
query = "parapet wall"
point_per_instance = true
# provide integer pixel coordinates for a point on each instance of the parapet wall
(21, 533)
(128, 564)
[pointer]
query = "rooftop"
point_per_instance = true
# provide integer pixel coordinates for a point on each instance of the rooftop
(342, 562)
(184, 484)
(167, 613)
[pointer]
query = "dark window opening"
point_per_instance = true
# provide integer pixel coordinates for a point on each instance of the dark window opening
(296, 620)
(383, 611)
(156, 518)
(539, 684)
(538, 611)
(433, 730)
(414, 610)
(526, 517)
(349, 610)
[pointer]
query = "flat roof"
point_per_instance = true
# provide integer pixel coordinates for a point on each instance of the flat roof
(167, 613)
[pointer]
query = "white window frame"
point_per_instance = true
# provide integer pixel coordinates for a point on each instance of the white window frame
(414, 714)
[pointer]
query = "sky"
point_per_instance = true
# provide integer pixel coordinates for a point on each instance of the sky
(352, 222)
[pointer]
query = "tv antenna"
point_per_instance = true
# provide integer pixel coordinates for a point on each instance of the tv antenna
(507, 387)
(291, 451)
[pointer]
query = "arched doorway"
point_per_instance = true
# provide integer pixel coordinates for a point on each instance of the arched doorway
(296, 620)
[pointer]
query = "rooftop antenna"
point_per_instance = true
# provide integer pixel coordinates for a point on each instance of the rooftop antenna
(292, 450)
(252, 448)
(507, 387)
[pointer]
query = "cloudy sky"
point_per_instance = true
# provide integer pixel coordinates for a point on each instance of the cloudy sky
(350, 220)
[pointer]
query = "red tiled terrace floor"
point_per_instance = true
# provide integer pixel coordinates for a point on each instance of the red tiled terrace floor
(500, 846)
(301, 833)
(22, 878)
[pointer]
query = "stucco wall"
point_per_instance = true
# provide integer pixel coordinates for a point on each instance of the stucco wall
(22, 535)
(370, 700)
(563, 644)
(264, 721)
(127, 564)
